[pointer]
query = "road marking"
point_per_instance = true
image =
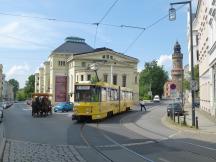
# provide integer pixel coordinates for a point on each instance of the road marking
(172, 135)
(127, 144)
(129, 150)
(205, 147)
(27, 109)
(164, 160)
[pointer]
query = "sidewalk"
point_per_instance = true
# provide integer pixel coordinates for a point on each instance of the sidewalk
(206, 123)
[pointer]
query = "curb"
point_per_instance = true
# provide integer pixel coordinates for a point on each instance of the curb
(3, 141)
(177, 127)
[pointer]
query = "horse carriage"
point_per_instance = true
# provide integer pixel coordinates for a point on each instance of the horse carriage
(41, 105)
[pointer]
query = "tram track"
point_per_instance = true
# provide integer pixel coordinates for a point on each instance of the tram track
(113, 142)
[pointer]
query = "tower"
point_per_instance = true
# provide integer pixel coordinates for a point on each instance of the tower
(177, 69)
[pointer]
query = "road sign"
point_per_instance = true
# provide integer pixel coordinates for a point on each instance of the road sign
(194, 85)
(150, 93)
(172, 86)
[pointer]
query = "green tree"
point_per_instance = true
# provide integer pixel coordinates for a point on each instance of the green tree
(29, 86)
(21, 95)
(15, 85)
(186, 85)
(153, 78)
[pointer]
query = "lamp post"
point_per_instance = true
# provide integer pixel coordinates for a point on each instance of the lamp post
(172, 17)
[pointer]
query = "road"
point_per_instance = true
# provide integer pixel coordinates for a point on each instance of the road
(133, 136)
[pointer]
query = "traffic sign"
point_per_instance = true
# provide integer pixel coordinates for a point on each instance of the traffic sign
(194, 85)
(172, 86)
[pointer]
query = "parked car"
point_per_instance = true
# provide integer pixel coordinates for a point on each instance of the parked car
(1, 113)
(175, 108)
(156, 98)
(64, 106)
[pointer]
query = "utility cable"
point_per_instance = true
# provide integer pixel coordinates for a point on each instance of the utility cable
(105, 15)
(150, 26)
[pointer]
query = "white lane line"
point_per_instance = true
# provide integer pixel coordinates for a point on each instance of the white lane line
(128, 144)
(129, 150)
(26, 109)
(164, 160)
(205, 147)
(175, 134)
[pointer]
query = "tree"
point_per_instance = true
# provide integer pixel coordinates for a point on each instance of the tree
(21, 95)
(29, 86)
(152, 78)
(15, 85)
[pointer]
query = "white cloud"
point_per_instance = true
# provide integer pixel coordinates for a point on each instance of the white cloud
(165, 60)
(18, 70)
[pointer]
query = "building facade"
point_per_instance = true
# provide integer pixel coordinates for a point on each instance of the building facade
(1, 81)
(205, 25)
(167, 90)
(70, 63)
(7, 90)
(177, 72)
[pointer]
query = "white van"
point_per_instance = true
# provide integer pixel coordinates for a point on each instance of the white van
(156, 98)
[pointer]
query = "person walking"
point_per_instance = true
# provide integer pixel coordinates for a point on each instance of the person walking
(142, 105)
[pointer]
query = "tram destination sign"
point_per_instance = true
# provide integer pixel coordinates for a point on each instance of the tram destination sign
(83, 87)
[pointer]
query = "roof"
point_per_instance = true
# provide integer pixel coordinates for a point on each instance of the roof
(106, 49)
(73, 45)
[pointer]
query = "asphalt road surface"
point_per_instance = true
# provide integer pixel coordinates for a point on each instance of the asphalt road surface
(132, 136)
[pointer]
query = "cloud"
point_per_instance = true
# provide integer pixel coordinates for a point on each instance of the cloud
(18, 70)
(24, 33)
(165, 60)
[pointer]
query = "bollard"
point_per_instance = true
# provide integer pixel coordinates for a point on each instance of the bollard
(184, 119)
(178, 119)
(197, 125)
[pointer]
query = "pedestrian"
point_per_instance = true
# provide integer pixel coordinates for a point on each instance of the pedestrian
(142, 105)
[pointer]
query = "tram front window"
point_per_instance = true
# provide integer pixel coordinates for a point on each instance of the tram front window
(87, 94)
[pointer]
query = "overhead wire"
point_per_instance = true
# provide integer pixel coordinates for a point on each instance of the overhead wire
(104, 16)
(148, 27)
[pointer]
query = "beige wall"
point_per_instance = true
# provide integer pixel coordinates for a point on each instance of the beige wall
(77, 65)
(1, 72)
(36, 82)
(41, 80)
(46, 77)
(201, 24)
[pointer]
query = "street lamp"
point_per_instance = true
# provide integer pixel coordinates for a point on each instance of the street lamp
(172, 14)
(172, 17)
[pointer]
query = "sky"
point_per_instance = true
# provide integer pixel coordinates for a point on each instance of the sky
(25, 43)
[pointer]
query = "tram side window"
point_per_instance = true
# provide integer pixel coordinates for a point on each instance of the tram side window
(108, 94)
(114, 95)
(103, 94)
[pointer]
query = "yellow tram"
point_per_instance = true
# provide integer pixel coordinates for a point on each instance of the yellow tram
(100, 100)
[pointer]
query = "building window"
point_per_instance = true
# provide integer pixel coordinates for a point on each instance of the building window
(197, 55)
(82, 77)
(107, 56)
(61, 63)
(135, 79)
(105, 76)
(103, 56)
(83, 64)
(115, 79)
(77, 78)
(111, 57)
(124, 78)
(89, 77)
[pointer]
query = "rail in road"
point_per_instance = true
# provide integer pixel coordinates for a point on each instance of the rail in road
(107, 157)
